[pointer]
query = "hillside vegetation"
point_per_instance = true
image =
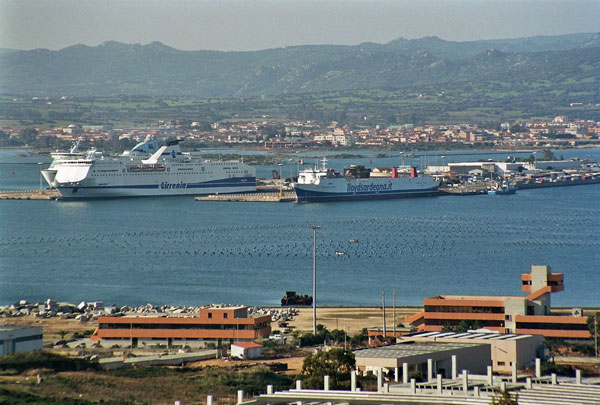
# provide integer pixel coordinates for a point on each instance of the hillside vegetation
(114, 68)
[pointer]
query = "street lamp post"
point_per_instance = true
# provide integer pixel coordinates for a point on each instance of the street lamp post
(314, 228)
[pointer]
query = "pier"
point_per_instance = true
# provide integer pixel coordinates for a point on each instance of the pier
(286, 196)
(29, 195)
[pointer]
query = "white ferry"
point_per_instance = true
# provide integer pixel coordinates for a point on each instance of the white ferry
(145, 172)
(322, 185)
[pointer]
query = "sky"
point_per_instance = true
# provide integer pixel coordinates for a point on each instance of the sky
(245, 25)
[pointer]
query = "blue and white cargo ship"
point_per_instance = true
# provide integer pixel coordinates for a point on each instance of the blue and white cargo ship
(146, 171)
(356, 183)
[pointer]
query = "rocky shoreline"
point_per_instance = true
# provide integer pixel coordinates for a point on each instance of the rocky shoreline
(90, 311)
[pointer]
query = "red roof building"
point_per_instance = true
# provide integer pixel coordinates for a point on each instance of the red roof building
(213, 325)
(530, 314)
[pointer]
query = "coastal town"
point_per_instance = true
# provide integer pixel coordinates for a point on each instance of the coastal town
(294, 135)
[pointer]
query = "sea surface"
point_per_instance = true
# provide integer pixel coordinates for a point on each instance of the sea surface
(180, 251)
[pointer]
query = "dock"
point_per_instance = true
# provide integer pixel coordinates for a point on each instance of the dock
(286, 196)
(465, 189)
(29, 195)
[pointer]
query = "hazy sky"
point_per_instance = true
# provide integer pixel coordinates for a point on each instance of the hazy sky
(260, 24)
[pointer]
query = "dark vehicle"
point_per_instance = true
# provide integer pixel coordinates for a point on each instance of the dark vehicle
(291, 298)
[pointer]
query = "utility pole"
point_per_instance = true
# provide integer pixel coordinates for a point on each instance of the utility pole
(314, 228)
(394, 310)
(40, 167)
(383, 306)
(596, 333)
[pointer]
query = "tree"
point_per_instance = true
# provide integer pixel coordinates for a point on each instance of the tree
(336, 363)
(547, 155)
(28, 135)
(463, 326)
(593, 322)
(504, 398)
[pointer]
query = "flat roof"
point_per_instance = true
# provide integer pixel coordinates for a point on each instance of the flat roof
(468, 335)
(410, 349)
(476, 297)
(12, 328)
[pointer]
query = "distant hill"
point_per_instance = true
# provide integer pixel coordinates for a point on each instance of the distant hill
(114, 68)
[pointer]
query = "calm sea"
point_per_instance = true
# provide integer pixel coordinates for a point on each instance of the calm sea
(179, 251)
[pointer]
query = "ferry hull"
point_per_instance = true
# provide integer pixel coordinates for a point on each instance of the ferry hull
(343, 189)
(308, 196)
(224, 186)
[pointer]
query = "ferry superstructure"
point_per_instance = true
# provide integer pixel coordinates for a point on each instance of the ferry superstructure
(165, 172)
(322, 185)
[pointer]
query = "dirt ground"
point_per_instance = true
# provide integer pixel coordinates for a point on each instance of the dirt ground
(350, 319)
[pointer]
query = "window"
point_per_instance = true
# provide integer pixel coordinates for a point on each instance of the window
(225, 315)
(501, 363)
(210, 314)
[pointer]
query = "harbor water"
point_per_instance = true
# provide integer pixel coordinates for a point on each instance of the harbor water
(181, 251)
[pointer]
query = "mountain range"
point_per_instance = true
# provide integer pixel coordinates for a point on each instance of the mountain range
(114, 68)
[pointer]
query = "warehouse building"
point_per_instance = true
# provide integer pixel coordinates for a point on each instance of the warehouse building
(506, 349)
(426, 358)
(214, 325)
(17, 339)
(530, 314)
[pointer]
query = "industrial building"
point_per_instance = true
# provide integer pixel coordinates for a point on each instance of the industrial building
(16, 339)
(529, 314)
(214, 325)
(427, 358)
(506, 349)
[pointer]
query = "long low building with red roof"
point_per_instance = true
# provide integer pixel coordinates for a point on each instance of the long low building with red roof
(213, 325)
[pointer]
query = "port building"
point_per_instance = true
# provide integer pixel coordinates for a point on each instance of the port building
(17, 339)
(529, 314)
(215, 325)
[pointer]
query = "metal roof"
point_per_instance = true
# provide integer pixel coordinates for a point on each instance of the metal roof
(468, 335)
(410, 349)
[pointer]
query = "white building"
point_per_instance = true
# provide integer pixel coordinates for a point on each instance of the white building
(246, 350)
(16, 339)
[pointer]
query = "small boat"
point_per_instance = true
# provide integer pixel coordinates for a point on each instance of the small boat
(353, 241)
(340, 253)
(502, 188)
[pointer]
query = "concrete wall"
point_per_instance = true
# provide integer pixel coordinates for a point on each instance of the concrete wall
(512, 307)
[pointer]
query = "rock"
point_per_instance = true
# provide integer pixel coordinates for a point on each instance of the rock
(97, 305)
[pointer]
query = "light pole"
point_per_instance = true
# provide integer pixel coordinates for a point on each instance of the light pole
(314, 228)
(40, 167)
